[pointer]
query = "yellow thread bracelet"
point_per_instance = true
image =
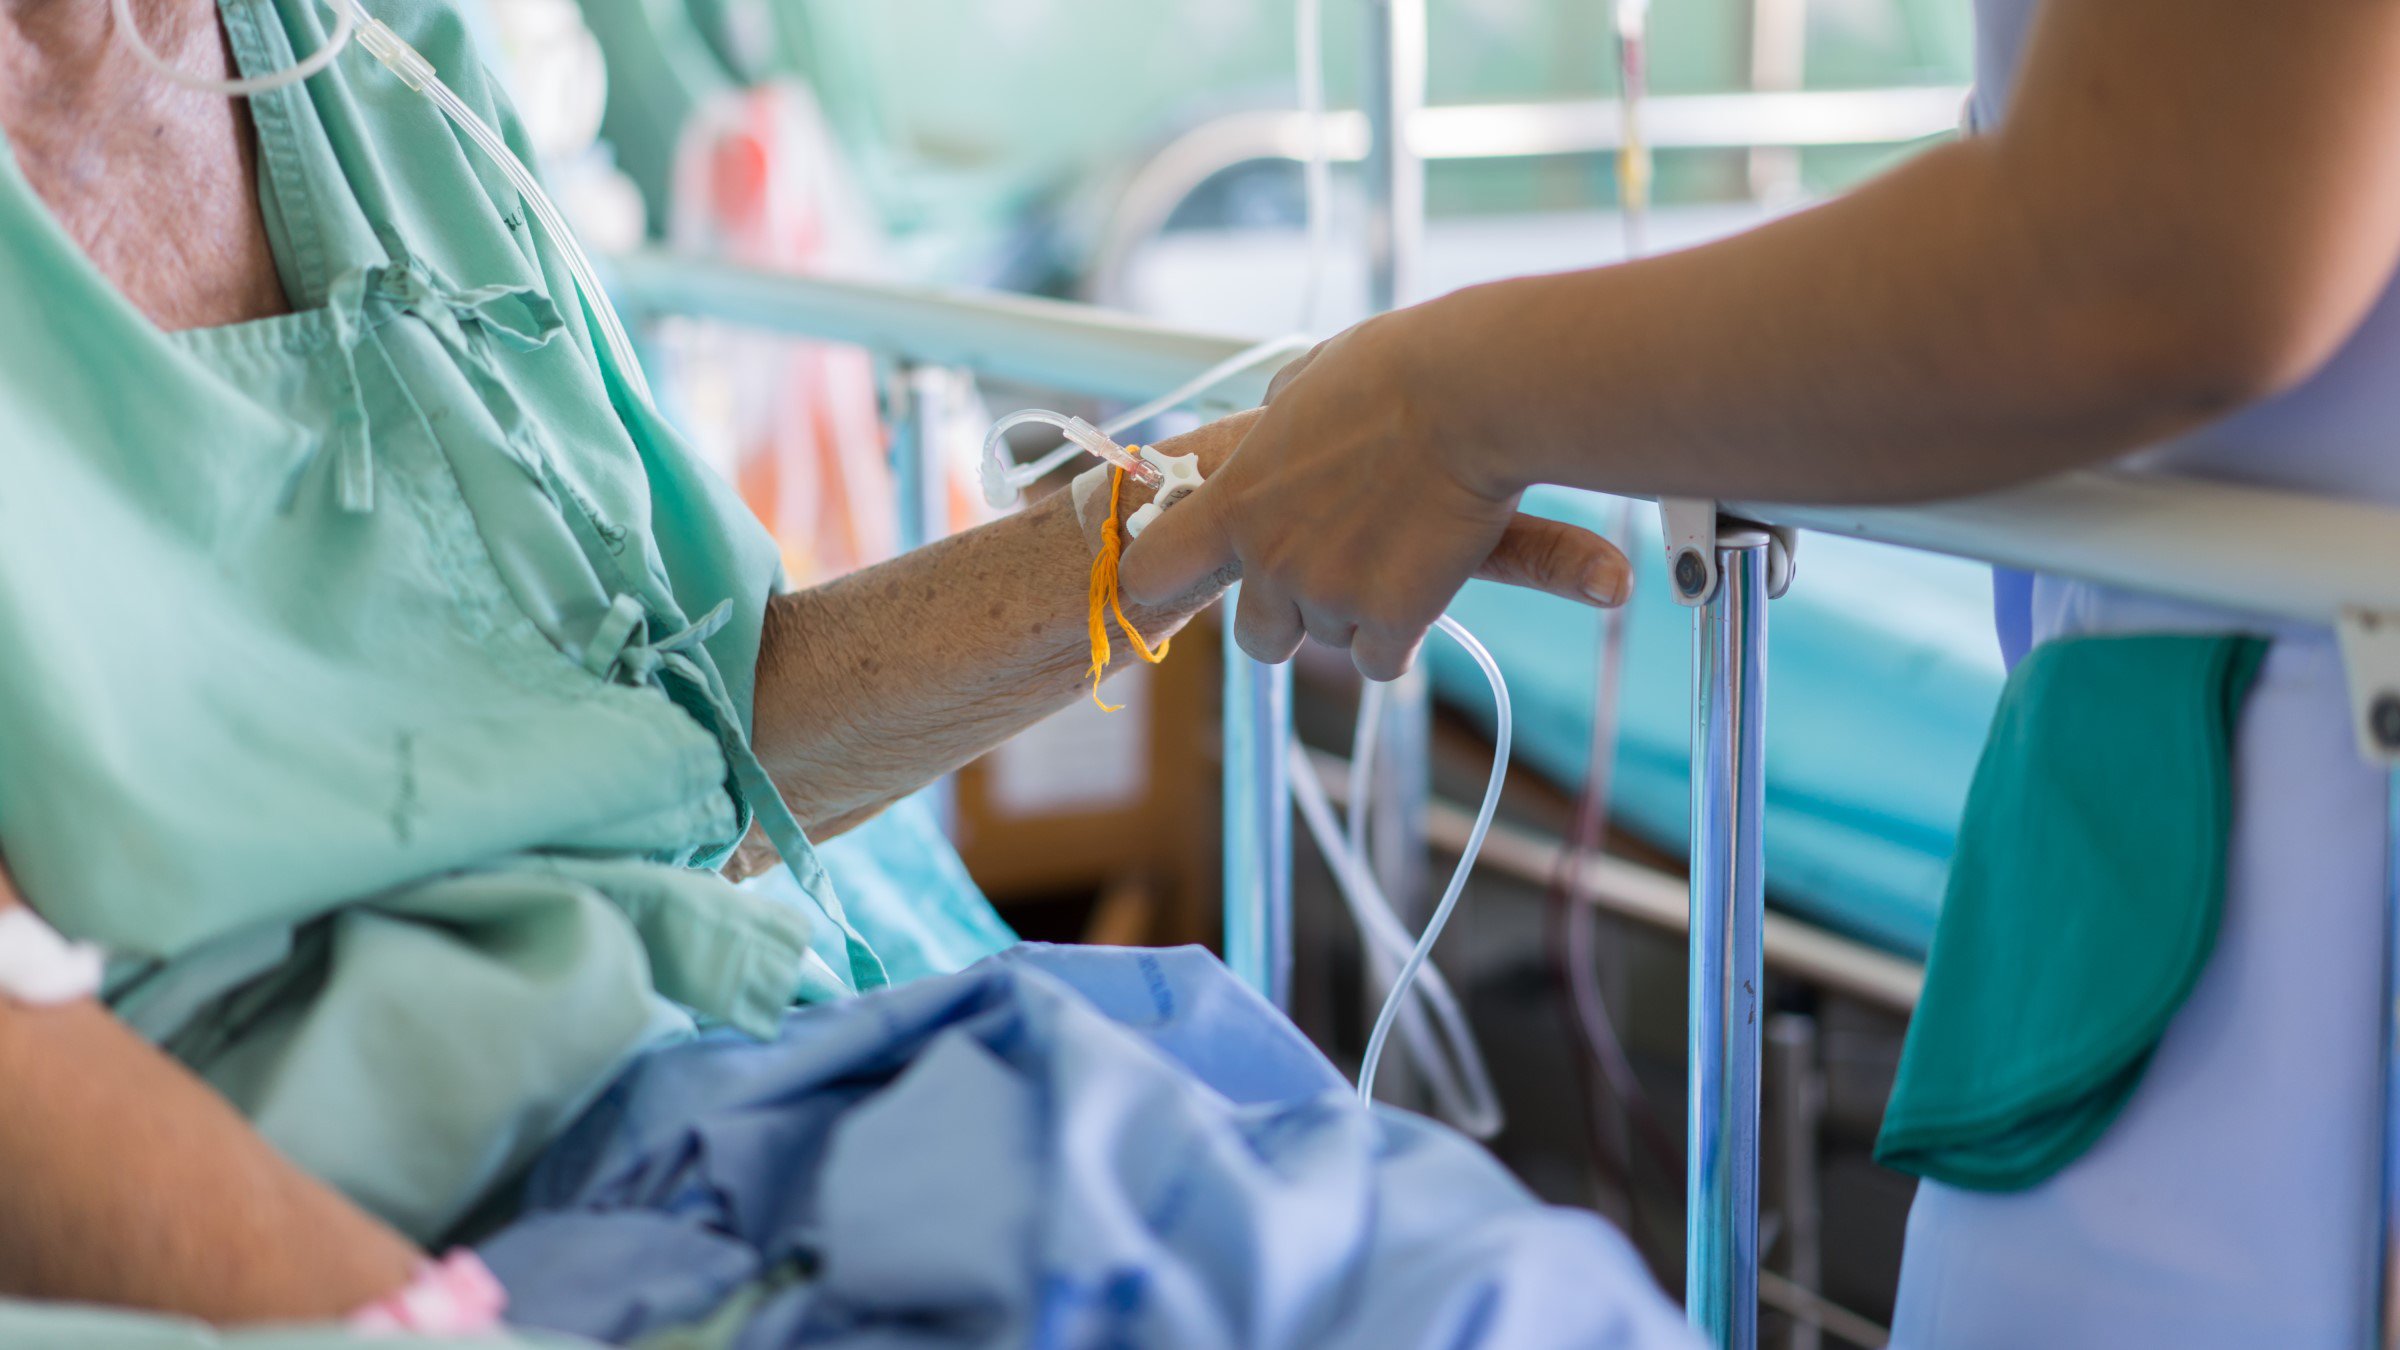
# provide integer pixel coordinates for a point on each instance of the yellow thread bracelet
(1106, 599)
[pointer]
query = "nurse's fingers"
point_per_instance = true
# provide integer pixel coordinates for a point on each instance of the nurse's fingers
(1560, 559)
(1385, 655)
(1327, 631)
(1267, 623)
(1181, 549)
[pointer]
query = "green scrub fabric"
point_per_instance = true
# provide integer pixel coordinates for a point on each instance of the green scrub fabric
(2083, 901)
(378, 675)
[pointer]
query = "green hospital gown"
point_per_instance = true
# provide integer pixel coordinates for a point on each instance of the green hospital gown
(376, 674)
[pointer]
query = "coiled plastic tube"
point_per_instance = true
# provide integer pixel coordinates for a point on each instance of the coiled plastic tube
(1443, 1047)
(1503, 732)
(345, 16)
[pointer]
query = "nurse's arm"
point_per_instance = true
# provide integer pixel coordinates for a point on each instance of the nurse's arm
(871, 686)
(2190, 206)
(130, 1182)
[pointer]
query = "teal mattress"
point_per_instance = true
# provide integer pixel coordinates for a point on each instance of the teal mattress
(1881, 679)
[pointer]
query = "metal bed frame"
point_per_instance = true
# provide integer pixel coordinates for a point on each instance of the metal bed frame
(2275, 554)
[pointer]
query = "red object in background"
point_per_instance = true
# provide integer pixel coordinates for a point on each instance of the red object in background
(796, 425)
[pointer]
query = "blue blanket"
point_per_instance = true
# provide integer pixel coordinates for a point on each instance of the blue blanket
(1057, 1147)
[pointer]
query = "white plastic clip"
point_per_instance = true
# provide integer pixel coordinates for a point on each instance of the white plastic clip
(39, 968)
(2371, 650)
(1689, 525)
(1692, 528)
(1180, 475)
(1783, 559)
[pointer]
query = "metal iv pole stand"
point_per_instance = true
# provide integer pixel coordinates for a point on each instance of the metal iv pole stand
(1729, 652)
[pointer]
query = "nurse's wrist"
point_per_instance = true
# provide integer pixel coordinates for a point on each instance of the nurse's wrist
(1428, 353)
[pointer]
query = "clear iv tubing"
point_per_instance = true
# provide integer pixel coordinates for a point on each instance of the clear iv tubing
(1004, 481)
(1465, 1097)
(352, 21)
(417, 73)
(1633, 88)
(1503, 732)
(1454, 1069)
(346, 21)
(1317, 169)
(1589, 1006)
(999, 485)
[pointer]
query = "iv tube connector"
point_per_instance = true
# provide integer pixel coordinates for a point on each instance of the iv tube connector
(999, 487)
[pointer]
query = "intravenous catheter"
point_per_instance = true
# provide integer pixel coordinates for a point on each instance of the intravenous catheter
(413, 70)
(1308, 45)
(1579, 919)
(1004, 480)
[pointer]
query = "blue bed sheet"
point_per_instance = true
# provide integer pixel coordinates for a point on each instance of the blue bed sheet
(1883, 671)
(1060, 1147)
(907, 892)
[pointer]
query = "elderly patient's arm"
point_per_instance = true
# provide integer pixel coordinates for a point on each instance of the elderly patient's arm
(875, 684)
(130, 1182)
(871, 686)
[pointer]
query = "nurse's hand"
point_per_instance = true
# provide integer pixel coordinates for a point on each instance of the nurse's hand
(1353, 517)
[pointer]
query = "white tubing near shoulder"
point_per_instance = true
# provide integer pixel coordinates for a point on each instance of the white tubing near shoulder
(345, 25)
(39, 968)
(412, 69)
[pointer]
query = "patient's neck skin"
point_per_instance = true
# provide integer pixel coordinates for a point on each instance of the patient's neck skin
(157, 185)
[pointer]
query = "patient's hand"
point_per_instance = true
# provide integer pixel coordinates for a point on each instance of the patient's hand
(131, 1183)
(873, 685)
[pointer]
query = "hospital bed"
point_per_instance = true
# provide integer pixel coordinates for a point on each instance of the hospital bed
(1858, 858)
(1875, 648)
(2316, 561)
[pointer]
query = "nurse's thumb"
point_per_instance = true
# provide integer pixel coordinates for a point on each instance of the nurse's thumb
(1185, 549)
(1564, 560)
